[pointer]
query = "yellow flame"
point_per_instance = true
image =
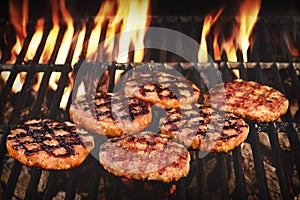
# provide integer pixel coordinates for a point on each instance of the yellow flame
(208, 22)
(136, 19)
(241, 31)
(79, 45)
(19, 21)
(230, 50)
(132, 18)
(35, 41)
(67, 38)
(247, 18)
(52, 36)
(128, 16)
(106, 9)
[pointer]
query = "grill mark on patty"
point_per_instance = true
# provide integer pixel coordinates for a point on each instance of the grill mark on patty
(247, 96)
(145, 156)
(160, 89)
(38, 136)
(131, 141)
(100, 105)
(206, 115)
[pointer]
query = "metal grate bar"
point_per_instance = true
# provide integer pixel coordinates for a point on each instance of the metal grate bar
(72, 183)
(89, 27)
(181, 189)
(273, 136)
(22, 54)
(277, 154)
(202, 185)
(243, 71)
(95, 179)
(78, 26)
(60, 89)
(41, 46)
(222, 167)
(22, 97)
(116, 185)
(292, 135)
(237, 157)
(52, 186)
(63, 81)
(31, 192)
(10, 38)
(227, 74)
(14, 72)
(12, 180)
(295, 81)
(240, 189)
(112, 73)
(3, 147)
(258, 163)
(36, 109)
(59, 38)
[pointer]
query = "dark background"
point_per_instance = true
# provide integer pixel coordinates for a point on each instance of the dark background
(88, 8)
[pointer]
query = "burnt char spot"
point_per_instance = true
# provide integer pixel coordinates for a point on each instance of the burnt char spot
(38, 135)
(224, 137)
(138, 108)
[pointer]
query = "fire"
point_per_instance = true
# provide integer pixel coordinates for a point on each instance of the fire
(36, 39)
(136, 19)
(208, 22)
(247, 18)
(106, 9)
(19, 20)
(240, 34)
(130, 16)
(123, 17)
(49, 46)
(67, 39)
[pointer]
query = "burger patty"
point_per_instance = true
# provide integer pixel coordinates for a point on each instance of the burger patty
(203, 128)
(162, 88)
(248, 99)
(49, 144)
(145, 156)
(110, 114)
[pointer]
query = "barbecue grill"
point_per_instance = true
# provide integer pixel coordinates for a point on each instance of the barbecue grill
(265, 166)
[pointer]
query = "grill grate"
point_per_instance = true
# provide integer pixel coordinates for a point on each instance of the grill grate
(226, 179)
(224, 175)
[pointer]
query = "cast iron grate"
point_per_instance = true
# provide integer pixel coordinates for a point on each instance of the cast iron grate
(222, 175)
(209, 182)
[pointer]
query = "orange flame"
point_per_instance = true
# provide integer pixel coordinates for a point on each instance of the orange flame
(128, 16)
(247, 18)
(240, 33)
(208, 22)
(67, 38)
(106, 9)
(19, 21)
(35, 41)
(136, 20)
(49, 46)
